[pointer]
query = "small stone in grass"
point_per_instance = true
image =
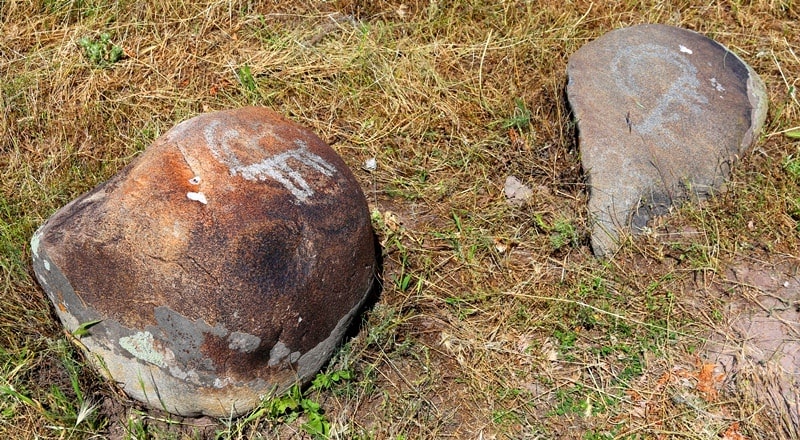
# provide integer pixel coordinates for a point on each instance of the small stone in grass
(516, 192)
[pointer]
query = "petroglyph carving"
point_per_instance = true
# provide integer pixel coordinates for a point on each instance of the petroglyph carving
(680, 100)
(277, 167)
(662, 112)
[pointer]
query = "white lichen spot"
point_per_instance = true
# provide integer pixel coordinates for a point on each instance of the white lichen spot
(178, 230)
(197, 197)
(243, 342)
(141, 346)
(221, 382)
(717, 85)
(685, 49)
(177, 372)
(35, 241)
(37, 236)
(41, 279)
(190, 376)
(195, 180)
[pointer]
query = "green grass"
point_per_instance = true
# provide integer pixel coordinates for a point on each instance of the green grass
(494, 320)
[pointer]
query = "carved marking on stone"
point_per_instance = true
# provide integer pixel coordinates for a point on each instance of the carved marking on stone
(680, 98)
(277, 167)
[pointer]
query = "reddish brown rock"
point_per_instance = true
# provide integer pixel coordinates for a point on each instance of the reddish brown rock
(224, 263)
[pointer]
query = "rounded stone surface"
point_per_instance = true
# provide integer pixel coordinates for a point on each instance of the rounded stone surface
(224, 263)
(662, 115)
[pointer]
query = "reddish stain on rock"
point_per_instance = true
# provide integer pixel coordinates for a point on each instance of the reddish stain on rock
(225, 262)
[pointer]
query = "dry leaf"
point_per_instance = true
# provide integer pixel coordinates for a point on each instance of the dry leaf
(707, 382)
(504, 245)
(402, 11)
(732, 433)
(391, 221)
(500, 245)
(548, 351)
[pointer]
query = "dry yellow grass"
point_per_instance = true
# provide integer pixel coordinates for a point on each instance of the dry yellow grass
(494, 321)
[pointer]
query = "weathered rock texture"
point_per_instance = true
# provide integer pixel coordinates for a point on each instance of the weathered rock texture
(225, 262)
(662, 114)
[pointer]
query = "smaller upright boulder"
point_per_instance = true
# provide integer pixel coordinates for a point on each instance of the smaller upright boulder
(662, 115)
(224, 264)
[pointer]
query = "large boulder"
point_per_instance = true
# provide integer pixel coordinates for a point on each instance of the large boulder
(662, 115)
(224, 264)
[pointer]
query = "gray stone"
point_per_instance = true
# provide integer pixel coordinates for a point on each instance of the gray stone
(224, 264)
(517, 193)
(662, 114)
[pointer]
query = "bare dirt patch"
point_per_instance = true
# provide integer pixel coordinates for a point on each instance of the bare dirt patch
(757, 343)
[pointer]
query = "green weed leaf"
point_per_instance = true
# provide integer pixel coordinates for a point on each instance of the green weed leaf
(404, 282)
(317, 425)
(101, 52)
(792, 166)
(341, 374)
(520, 118)
(83, 329)
(246, 78)
(324, 381)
